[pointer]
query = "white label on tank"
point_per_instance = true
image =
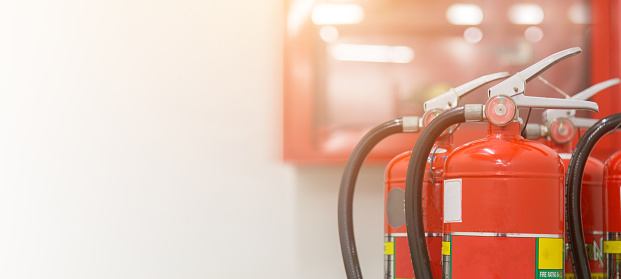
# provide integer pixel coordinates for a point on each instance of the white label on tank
(452, 201)
(566, 156)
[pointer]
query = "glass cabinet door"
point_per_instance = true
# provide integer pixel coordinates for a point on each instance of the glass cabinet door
(352, 65)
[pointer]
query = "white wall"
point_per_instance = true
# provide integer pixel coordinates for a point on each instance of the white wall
(141, 139)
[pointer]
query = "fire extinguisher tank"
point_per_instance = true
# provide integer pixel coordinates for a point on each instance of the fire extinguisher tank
(397, 262)
(503, 208)
(612, 203)
(612, 216)
(592, 210)
(591, 196)
(592, 215)
(396, 252)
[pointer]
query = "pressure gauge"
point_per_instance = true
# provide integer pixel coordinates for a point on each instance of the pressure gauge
(561, 130)
(500, 110)
(430, 115)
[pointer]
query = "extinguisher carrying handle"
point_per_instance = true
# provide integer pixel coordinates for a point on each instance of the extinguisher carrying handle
(522, 101)
(536, 131)
(550, 114)
(516, 84)
(414, 183)
(573, 189)
(450, 99)
(589, 92)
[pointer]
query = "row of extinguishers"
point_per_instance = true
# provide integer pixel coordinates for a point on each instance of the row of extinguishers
(501, 206)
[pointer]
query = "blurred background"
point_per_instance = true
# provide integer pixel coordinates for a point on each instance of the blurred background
(153, 139)
(143, 139)
(355, 63)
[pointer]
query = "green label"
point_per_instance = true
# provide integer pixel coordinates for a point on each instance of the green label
(549, 274)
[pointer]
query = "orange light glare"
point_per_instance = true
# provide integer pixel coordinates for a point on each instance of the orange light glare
(580, 13)
(533, 34)
(329, 34)
(372, 53)
(464, 14)
(526, 14)
(298, 14)
(332, 14)
(473, 35)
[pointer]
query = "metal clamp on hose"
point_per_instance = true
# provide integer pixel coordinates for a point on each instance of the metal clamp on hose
(474, 112)
(411, 124)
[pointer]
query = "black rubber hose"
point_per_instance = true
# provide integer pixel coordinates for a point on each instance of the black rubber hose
(573, 189)
(414, 185)
(346, 193)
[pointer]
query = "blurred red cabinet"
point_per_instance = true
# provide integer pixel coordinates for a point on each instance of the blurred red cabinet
(351, 65)
(606, 63)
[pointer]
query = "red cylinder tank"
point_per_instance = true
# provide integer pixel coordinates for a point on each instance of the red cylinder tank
(592, 214)
(612, 216)
(503, 208)
(397, 262)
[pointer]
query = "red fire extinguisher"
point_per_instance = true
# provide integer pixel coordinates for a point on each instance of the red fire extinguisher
(559, 129)
(611, 208)
(612, 216)
(397, 262)
(503, 195)
(362, 149)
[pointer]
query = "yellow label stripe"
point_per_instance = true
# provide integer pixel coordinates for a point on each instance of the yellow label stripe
(594, 275)
(389, 248)
(551, 253)
(446, 248)
(612, 247)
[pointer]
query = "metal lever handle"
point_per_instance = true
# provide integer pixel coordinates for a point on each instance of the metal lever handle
(514, 86)
(517, 83)
(541, 66)
(542, 102)
(589, 92)
(551, 114)
(450, 98)
(476, 83)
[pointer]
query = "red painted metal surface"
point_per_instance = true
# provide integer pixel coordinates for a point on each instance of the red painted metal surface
(432, 208)
(605, 64)
(592, 211)
(612, 194)
(612, 215)
(592, 214)
(510, 257)
(592, 220)
(402, 261)
(510, 188)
